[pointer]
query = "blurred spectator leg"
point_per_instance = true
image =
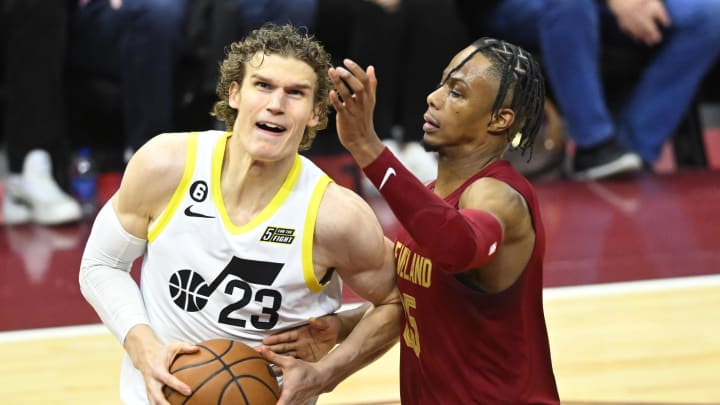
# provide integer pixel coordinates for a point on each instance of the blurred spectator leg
(138, 44)
(35, 114)
(668, 86)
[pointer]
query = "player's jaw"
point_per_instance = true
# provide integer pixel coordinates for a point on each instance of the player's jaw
(272, 139)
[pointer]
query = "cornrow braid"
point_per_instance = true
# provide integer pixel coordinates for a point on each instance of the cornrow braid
(521, 77)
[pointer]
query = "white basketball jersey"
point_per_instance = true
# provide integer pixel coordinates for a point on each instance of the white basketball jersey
(204, 277)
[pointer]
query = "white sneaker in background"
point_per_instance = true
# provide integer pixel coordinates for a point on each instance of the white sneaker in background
(414, 157)
(37, 190)
(14, 212)
(421, 163)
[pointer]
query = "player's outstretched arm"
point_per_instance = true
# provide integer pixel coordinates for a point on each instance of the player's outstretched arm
(117, 239)
(477, 234)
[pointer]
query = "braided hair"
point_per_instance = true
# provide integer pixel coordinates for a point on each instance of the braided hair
(521, 82)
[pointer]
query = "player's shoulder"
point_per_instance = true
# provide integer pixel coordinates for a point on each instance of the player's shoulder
(157, 167)
(340, 198)
(164, 153)
(344, 219)
(344, 209)
(494, 195)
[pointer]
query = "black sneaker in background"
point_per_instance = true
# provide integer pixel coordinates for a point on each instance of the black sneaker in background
(605, 160)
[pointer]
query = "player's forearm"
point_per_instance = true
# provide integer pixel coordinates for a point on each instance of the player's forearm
(104, 276)
(373, 335)
(458, 240)
(140, 344)
(349, 318)
(365, 150)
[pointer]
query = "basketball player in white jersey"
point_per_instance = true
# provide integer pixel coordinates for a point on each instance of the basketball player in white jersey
(242, 237)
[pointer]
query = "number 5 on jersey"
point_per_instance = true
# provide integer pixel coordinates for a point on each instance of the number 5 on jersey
(411, 335)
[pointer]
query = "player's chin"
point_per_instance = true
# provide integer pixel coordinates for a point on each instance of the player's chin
(428, 144)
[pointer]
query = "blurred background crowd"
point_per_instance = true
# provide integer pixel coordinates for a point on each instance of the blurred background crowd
(87, 82)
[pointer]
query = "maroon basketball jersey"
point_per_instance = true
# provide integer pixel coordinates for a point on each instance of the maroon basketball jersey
(462, 346)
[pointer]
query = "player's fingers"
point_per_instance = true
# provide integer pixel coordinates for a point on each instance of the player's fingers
(161, 376)
(366, 78)
(372, 78)
(344, 82)
(336, 101)
(357, 72)
(274, 358)
(319, 324)
(155, 394)
(175, 383)
(281, 348)
(277, 371)
(283, 337)
(184, 348)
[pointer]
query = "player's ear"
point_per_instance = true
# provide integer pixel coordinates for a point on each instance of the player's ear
(234, 95)
(501, 121)
(315, 119)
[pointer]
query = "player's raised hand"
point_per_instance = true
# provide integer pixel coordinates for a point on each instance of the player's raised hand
(354, 102)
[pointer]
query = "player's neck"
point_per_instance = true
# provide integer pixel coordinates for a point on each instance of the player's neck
(248, 184)
(453, 172)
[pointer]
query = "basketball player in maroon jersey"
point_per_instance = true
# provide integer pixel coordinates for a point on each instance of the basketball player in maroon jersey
(469, 253)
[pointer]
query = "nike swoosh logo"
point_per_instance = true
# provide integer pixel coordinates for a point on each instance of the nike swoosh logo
(192, 213)
(389, 172)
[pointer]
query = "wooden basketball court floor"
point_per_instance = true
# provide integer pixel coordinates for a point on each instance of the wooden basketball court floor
(632, 302)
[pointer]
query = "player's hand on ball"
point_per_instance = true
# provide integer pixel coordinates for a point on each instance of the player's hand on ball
(308, 342)
(302, 381)
(158, 375)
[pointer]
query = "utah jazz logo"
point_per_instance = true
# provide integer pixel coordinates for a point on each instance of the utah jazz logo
(190, 292)
(278, 235)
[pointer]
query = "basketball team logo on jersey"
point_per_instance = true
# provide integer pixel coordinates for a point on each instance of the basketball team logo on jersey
(276, 234)
(191, 292)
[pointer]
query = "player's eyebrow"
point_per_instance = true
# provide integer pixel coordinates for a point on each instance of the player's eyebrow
(298, 85)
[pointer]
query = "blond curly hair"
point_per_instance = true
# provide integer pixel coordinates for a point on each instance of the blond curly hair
(284, 40)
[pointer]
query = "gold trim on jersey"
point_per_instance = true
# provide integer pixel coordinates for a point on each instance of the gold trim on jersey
(266, 212)
(309, 234)
(183, 187)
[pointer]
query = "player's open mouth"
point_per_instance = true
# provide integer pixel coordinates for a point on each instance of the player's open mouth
(268, 126)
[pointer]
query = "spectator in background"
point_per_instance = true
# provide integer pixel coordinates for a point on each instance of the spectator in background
(570, 35)
(138, 42)
(36, 33)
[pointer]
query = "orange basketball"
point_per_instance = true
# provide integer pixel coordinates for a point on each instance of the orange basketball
(224, 371)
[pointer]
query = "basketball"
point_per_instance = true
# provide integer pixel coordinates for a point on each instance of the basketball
(224, 371)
